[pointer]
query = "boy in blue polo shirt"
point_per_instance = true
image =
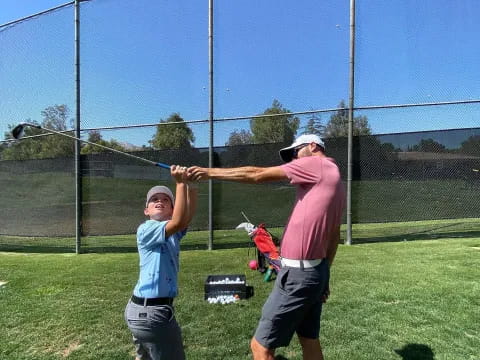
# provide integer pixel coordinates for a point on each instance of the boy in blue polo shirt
(149, 313)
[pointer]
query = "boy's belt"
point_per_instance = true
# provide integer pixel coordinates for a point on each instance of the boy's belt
(152, 301)
(301, 263)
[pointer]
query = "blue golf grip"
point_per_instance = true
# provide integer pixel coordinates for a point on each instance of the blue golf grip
(162, 165)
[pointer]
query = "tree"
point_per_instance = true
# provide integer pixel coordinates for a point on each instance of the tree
(337, 126)
(55, 117)
(238, 149)
(96, 138)
(389, 148)
(172, 136)
(274, 129)
(471, 146)
(314, 126)
(51, 146)
(429, 145)
(239, 137)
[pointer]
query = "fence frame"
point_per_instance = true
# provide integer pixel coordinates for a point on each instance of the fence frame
(211, 119)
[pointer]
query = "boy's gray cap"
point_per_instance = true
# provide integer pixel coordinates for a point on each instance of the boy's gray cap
(160, 189)
(286, 154)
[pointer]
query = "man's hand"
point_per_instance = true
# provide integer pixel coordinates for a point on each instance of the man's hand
(196, 173)
(326, 294)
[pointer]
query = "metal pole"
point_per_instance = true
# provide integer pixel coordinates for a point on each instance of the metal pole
(36, 14)
(78, 169)
(210, 147)
(351, 104)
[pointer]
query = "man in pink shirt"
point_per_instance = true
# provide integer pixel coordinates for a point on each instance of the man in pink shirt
(309, 244)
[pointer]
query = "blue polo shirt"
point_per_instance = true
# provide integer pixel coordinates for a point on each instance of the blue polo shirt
(159, 260)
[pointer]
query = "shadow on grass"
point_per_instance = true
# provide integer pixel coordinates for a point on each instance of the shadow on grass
(109, 250)
(218, 246)
(419, 235)
(36, 249)
(416, 352)
(46, 249)
(221, 243)
(183, 247)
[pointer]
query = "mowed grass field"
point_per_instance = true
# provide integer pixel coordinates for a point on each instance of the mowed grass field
(408, 299)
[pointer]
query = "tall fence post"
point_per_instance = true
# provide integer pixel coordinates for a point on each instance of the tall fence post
(210, 146)
(351, 104)
(78, 169)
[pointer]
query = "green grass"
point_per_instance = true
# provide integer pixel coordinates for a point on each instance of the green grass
(384, 296)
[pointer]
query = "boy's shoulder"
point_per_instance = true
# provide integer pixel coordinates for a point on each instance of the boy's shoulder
(150, 225)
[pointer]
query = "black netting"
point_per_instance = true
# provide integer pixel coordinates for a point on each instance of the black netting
(425, 182)
(38, 202)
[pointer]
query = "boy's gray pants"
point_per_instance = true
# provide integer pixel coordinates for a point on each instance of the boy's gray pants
(155, 331)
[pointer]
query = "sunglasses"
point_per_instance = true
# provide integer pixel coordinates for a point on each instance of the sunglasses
(297, 149)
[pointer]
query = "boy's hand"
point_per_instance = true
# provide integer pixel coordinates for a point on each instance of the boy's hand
(179, 173)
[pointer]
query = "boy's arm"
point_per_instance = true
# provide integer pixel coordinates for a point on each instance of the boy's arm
(180, 210)
(192, 196)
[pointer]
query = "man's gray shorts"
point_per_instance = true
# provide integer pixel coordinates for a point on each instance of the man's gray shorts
(294, 305)
(155, 331)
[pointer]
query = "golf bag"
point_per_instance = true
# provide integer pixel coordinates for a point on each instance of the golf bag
(268, 257)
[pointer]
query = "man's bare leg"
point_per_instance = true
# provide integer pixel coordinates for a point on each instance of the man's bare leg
(311, 349)
(260, 352)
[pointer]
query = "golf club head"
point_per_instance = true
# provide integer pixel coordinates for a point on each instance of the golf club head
(19, 130)
(246, 226)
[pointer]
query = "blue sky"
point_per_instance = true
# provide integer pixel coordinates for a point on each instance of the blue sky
(143, 60)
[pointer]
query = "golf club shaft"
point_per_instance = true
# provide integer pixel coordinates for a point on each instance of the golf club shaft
(162, 165)
(245, 216)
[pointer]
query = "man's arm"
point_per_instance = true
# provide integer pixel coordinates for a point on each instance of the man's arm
(331, 252)
(245, 174)
(333, 245)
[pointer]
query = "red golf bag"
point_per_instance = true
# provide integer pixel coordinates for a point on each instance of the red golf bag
(268, 257)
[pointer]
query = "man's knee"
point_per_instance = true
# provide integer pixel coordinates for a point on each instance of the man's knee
(260, 352)
(311, 348)
(308, 341)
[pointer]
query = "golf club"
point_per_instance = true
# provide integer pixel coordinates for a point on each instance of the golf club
(18, 132)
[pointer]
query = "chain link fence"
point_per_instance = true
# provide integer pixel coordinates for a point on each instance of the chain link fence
(415, 175)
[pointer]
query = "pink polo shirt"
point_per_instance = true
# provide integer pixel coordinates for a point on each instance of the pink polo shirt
(318, 208)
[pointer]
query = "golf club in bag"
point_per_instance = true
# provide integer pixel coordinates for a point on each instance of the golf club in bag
(268, 257)
(18, 132)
